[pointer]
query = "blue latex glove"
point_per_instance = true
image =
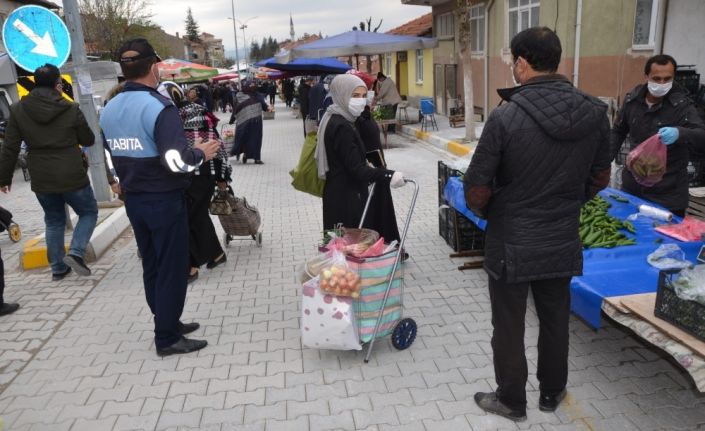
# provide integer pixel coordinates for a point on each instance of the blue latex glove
(668, 135)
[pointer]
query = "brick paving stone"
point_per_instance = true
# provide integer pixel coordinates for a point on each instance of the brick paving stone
(229, 416)
(418, 412)
(294, 409)
(343, 420)
(300, 423)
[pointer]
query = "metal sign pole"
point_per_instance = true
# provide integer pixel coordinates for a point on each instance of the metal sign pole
(96, 153)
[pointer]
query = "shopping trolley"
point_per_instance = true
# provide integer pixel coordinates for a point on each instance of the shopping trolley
(379, 308)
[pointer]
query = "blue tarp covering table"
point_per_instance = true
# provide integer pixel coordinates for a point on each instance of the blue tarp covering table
(606, 272)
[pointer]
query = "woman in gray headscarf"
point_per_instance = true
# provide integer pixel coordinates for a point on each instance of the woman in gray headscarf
(340, 156)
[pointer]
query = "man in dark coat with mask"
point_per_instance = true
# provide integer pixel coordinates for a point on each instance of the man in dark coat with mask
(661, 106)
(542, 154)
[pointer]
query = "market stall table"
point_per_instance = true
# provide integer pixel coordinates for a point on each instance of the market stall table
(606, 272)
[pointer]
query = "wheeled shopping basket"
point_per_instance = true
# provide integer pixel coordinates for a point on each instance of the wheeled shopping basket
(244, 220)
(12, 228)
(227, 134)
(379, 308)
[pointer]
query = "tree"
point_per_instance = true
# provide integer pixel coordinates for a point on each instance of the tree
(108, 23)
(367, 26)
(255, 51)
(463, 19)
(192, 29)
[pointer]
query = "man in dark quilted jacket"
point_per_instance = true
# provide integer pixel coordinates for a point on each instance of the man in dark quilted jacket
(542, 154)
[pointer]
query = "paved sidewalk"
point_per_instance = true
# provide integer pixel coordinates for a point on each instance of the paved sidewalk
(92, 365)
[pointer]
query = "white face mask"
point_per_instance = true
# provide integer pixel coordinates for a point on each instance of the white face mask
(356, 106)
(659, 90)
(514, 78)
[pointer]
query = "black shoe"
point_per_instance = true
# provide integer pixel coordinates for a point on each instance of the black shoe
(259, 162)
(405, 256)
(491, 404)
(77, 264)
(549, 403)
(237, 157)
(187, 328)
(220, 260)
(8, 308)
(192, 277)
(244, 161)
(60, 276)
(184, 345)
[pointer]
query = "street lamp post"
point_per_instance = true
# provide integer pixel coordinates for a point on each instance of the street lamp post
(243, 26)
(237, 57)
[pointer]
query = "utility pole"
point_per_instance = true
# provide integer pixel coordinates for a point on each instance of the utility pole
(82, 76)
(237, 57)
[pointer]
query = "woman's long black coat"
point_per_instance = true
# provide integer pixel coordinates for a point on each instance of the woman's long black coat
(349, 175)
(380, 216)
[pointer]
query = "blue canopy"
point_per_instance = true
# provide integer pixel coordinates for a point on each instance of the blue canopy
(357, 42)
(308, 66)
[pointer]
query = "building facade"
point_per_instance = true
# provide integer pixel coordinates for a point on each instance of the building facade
(605, 43)
(412, 70)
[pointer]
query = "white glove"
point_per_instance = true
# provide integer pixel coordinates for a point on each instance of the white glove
(397, 180)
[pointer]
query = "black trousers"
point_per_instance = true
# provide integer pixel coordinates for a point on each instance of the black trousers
(160, 223)
(204, 244)
(508, 300)
(2, 280)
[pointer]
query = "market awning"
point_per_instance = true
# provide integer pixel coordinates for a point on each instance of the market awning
(228, 76)
(183, 71)
(307, 66)
(354, 43)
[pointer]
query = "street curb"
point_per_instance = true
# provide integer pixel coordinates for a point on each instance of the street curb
(454, 147)
(34, 251)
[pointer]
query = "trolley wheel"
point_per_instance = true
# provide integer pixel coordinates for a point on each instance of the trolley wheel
(258, 239)
(227, 240)
(14, 231)
(404, 334)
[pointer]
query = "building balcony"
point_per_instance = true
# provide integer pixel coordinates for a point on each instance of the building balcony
(424, 2)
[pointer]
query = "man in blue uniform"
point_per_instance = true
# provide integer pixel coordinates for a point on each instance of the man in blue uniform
(145, 137)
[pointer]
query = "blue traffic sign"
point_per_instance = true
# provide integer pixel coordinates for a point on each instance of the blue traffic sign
(34, 36)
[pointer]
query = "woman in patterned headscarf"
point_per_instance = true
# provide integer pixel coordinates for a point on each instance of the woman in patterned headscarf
(247, 112)
(200, 125)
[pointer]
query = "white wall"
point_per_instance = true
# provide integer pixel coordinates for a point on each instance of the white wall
(684, 38)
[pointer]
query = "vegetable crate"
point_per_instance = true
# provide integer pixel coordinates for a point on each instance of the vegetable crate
(687, 315)
(461, 234)
(445, 172)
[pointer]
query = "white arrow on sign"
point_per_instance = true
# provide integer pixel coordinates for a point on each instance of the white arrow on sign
(44, 45)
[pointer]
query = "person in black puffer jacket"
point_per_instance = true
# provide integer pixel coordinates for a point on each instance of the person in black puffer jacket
(542, 154)
(672, 115)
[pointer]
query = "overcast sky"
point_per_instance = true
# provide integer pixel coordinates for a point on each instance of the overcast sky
(311, 16)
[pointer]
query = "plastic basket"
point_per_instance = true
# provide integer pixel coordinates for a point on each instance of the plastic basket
(686, 315)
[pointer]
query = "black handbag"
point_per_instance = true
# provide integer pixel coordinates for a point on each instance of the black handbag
(219, 204)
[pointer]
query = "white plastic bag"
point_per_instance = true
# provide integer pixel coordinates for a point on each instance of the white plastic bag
(327, 321)
(668, 256)
(690, 284)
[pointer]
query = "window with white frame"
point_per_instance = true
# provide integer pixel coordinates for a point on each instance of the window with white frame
(445, 25)
(645, 23)
(477, 28)
(523, 14)
(419, 66)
